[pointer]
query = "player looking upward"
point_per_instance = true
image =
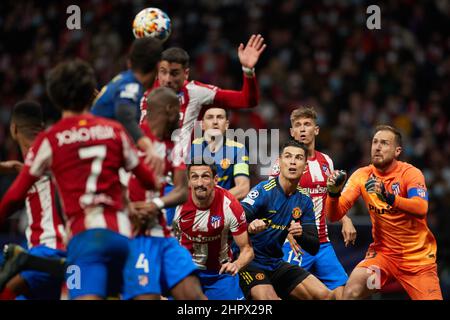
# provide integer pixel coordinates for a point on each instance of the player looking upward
(396, 197)
(325, 264)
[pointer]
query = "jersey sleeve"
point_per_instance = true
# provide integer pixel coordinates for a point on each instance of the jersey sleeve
(247, 97)
(238, 223)
(415, 184)
(200, 93)
(241, 165)
(128, 93)
(39, 156)
(130, 154)
(308, 216)
(254, 202)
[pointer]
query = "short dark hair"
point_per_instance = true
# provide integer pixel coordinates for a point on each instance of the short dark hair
(176, 55)
(203, 161)
(227, 112)
(294, 143)
(397, 134)
(28, 118)
(71, 85)
(145, 53)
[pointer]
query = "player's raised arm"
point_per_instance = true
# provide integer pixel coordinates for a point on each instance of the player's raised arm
(337, 204)
(249, 95)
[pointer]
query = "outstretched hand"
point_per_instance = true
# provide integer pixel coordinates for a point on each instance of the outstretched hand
(249, 55)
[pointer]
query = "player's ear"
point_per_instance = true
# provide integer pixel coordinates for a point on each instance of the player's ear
(227, 124)
(316, 130)
(398, 151)
(186, 73)
(13, 130)
(216, 179)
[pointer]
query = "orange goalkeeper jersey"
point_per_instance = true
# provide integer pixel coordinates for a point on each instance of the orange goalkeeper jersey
(399, 231)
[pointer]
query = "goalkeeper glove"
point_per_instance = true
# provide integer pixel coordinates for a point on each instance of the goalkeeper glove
(374, 185)
(335, 183)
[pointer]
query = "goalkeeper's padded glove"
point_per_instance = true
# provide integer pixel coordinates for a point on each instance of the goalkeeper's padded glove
(374, 185)
(335, 187)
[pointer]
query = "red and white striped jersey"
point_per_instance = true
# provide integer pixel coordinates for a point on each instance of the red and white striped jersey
(45, 226)
(205, 232)
(314, 181)
(137, 192)
(84, 154)
(195, 95)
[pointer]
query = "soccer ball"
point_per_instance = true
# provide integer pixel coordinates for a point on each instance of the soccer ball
(152, 22)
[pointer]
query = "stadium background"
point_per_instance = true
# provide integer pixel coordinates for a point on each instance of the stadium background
(318, 54)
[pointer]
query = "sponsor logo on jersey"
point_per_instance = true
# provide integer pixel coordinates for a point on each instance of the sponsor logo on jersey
(296, 213)
(396, 188)
(215, 221)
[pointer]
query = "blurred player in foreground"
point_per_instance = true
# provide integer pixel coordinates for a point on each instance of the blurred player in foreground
(84, 154)
(204, 224)
(120, 98)
(274, 209)
(157, 263)
(403, 247)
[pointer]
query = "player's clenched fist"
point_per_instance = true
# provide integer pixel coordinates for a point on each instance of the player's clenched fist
(256, 226)
(374, 185)
(336, 181)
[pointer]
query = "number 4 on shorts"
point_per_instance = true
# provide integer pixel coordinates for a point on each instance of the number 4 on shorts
(142, 263)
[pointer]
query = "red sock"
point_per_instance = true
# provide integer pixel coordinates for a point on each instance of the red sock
(7, 294)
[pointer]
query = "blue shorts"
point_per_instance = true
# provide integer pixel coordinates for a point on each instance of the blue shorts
(324, 265)
(95, 260)
(42, 286)
(220, 286)
(170, 212)
(155, 265)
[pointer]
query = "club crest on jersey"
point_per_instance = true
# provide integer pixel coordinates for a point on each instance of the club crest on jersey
(296, 213)
(396, 188)
(215, 221)
(225, 163)
(143, 280)
(326, 170)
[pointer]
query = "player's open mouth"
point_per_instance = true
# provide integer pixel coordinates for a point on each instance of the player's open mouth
(292, 170)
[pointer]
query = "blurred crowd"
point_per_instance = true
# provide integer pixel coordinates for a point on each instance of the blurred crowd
(319, 54)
